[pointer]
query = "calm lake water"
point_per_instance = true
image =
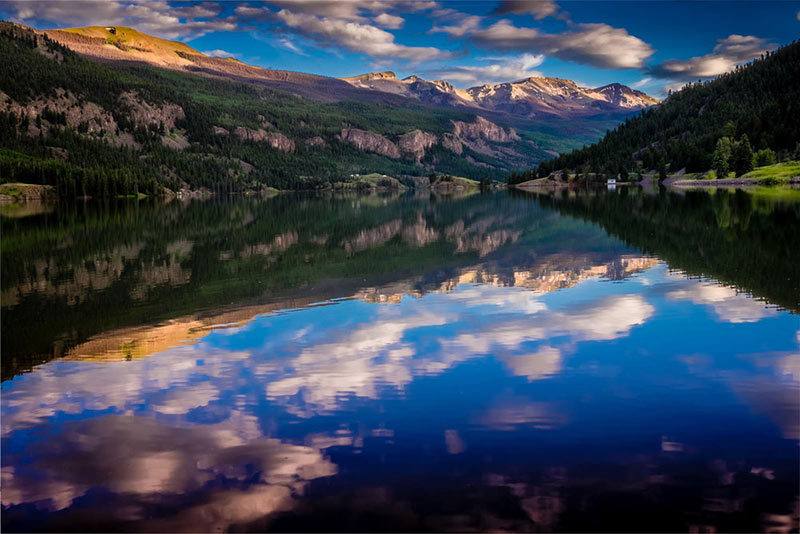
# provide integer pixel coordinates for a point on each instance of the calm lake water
(584, 361)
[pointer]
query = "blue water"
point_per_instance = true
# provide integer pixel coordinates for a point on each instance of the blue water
(650, 401)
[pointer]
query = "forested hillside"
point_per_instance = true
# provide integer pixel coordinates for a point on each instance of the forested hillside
(90, 128)
(756, 106)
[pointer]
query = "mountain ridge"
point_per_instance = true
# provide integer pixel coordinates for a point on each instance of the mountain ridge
(121, 43)
(532, 97)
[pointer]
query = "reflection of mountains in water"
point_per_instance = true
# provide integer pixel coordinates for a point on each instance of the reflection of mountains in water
(114, 273)
(554, 272)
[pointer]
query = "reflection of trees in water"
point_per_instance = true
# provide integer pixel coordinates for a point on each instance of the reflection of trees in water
(742, 239)
(94, 267)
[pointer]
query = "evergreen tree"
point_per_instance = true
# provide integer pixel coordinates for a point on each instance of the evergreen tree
(722, 157)
(662, 168)
(742, 156)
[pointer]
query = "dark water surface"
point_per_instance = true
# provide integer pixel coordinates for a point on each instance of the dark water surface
(590, 361)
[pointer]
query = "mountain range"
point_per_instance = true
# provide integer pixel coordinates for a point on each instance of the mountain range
(532, 98)
(85, 106)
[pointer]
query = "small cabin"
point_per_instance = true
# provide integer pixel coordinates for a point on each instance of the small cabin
(612, 181)
(112, 30)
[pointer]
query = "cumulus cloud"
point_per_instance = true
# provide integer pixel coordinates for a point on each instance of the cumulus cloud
(539, 9)
(351, 9)
(218, 52)
(355, 37)
(729, 52)
(391, 22)
(501, 70)
(598, 45)
(465, 25)
(154, 17)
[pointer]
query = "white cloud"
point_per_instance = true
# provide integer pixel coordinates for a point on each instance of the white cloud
(503, 70)
(391, 22)
(729, 52)
(351, 9)
(641, 83)
(155, 17)
(218, 52)
(539, 9)
(355, 37)
(289, 45)
(464, 26)
(599, 45)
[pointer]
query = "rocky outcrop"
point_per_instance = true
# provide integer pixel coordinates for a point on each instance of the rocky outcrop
(484, 129)
(274, 139)
(316, 141)
(143, 113)
(280, 142)
(416, 142)
(87, 117)
(451, 142)
(370, 142)
(219, 130)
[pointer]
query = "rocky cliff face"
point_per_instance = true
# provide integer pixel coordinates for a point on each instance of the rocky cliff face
(370, 142)
(87, 116)
(481, 135)
(274, 139)
(416, 142)
(143, 113)
(484, 129)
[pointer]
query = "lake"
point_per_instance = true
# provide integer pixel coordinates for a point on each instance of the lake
(570, 361)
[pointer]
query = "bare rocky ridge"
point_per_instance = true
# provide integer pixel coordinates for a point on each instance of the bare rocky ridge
(128, 45)
(532, 97)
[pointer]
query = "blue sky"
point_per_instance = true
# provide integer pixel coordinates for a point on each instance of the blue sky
(650, 45)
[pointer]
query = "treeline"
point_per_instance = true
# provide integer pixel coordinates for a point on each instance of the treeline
(760, 100)
(47, 149)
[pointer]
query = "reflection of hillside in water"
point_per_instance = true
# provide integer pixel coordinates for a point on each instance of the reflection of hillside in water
(118, 272)
(143, 341)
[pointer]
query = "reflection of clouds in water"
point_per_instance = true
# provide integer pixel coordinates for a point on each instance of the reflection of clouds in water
(603, 319)
(354, 363)
(183, 400)
(540, 364)
(379, 354)
(506, 300)
(143, 459)
(75, 388)
(776, 395)
(728, 305)
(510, 412)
